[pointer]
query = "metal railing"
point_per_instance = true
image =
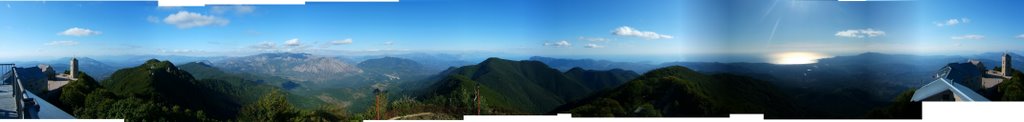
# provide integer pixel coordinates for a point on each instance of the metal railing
(18, 92)
(23, 111)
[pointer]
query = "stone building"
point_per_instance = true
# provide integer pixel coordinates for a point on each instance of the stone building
(1006, 65)
(964, 82)
(48, 71)
(74, 68)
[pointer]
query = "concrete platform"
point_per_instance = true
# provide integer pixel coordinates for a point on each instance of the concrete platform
(8, 107)
(56, 83)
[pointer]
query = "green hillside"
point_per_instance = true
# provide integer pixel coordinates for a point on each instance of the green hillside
(678, 91)
(161, 81)
(159, 91)
(531, 85)
(598, 80)
(526, 87)
(457, 93)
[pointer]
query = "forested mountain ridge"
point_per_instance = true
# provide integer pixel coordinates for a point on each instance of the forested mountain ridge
(678, 91)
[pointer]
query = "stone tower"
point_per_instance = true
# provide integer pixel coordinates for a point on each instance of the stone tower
(74, 67)
(1006, 64)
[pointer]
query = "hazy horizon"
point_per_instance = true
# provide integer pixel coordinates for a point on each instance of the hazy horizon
(476, 57)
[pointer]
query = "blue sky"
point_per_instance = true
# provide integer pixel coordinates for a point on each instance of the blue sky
(660, 30)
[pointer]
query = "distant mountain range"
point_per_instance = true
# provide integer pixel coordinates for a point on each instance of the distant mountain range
(98, 69)
(433, 62)
(134, 60)
(394, 67)
(858, 82)
(301, 67)
(566, 64)
(243, 87)
(842, 86)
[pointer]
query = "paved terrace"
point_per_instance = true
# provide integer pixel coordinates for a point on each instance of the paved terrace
(11, 105)
(8, 106)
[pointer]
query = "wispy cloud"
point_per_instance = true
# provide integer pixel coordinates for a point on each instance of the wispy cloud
(593, 46)
(291, 45)
(968, 37)
(185, 19)
(594, 39)
(266, 45)
(75, 31)
(1021, 36)
(860, 33)
(62, 43)
(389, 43)
(179, 51)
(335, 43)
(952, 22)
(341, 42)
(153, 19)
(562, 43)
(292, 42)
(629, 31)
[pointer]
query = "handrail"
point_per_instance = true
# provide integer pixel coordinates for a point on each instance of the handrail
(19, 91)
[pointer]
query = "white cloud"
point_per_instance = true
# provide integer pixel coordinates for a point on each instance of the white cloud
(952, 22)
(594, 39)
(873, 33)
(62, 43)
(860, 33)
(182, 51)
(593, 46)
(185, 19)
(291, 45)
(562, 43)
(389, 43)
(75, 31)
(848, 33)
(968, 37)
(292, 42)
(341, 42)
(628, 31)
(239, 9)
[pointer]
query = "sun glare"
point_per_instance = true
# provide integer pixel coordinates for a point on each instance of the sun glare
(797, 57)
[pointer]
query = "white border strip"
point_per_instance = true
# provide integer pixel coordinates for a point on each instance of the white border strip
(931, 111)
(251, 2)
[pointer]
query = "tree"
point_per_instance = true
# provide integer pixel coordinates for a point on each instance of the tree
(271, 107)
(1013, 89)
(326, 113)
(73, 95)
